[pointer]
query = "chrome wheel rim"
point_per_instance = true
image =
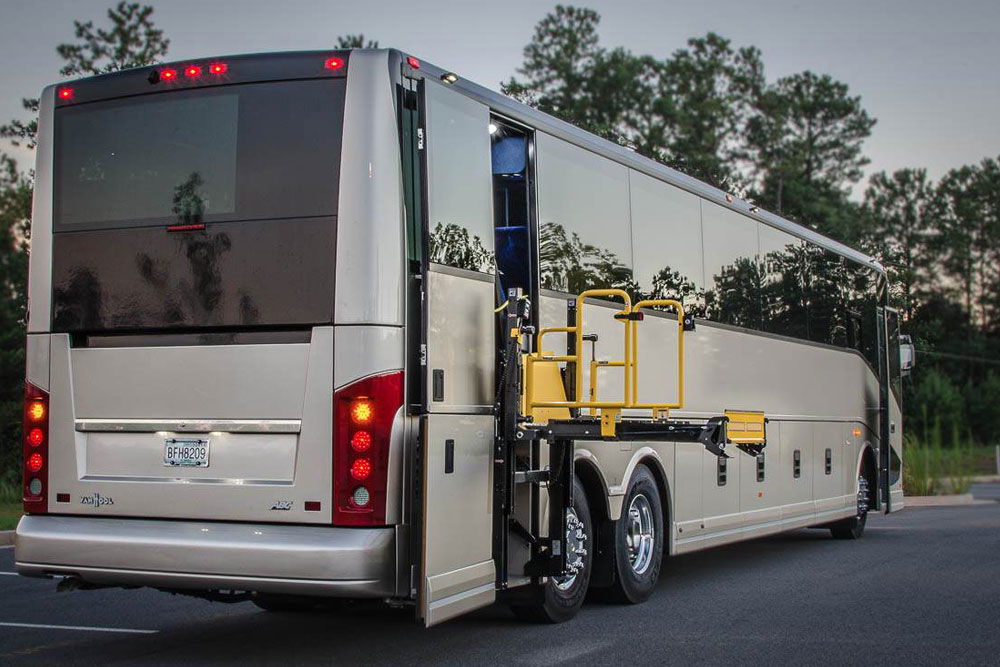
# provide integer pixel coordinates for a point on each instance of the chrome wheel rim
(863, 497)
(576, 546)
(640, 535)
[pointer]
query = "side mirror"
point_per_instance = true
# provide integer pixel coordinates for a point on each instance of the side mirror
(907, 355)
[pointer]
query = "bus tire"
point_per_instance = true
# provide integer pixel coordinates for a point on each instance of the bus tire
(854, 528)
(639, 540)
(560, 598)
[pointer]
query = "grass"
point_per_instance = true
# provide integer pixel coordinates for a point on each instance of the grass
(10, 514)
(930, 468)
(10, 504)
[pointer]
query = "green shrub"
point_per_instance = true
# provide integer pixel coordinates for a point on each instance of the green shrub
(930, 468)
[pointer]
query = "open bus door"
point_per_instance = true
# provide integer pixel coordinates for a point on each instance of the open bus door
(888, 321)
(446, 150)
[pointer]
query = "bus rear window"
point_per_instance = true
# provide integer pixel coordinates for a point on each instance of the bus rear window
(228, 153)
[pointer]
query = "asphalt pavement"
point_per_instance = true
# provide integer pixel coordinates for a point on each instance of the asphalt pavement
(921, 588)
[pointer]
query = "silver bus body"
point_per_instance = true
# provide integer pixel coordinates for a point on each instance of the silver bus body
(261, 516)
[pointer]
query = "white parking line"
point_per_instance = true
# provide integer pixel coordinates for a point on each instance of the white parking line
(77, 627)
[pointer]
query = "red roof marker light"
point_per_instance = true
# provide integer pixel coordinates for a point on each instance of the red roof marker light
(65, 93)
(333, 63)
(218, 68)
(193, 71)
(413, 62)
(168, 74)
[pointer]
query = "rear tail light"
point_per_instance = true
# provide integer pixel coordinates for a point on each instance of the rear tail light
(36, 450)
(362, 425)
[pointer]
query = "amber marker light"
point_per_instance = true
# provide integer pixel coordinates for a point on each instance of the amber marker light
(362, 411)
(36, 411)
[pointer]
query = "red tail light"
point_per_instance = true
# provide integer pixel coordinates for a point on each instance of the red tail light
(36, 450)
(362, 425)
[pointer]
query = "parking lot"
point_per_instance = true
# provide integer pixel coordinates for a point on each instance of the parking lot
(922, 587)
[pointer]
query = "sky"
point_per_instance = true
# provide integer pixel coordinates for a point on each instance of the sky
(928, 70)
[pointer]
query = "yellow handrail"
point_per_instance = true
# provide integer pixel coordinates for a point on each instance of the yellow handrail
(629, 363)
(668, 303)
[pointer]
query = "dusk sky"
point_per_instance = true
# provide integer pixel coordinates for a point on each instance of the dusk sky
(927, 70)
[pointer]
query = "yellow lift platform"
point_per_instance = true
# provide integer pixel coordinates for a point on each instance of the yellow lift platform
(537, 400)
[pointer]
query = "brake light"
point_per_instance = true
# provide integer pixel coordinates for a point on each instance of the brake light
(35, 450)
(364, 413)
(35, 462)
(360, 469)
(361, 441)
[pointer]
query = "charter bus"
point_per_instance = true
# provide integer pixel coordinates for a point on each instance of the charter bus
(266, 347)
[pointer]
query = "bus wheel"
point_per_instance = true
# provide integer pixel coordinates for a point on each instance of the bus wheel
(854, 528)
(560, 598)
(639, 539)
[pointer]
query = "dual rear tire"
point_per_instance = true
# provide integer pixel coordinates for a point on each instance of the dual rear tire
(638, 554)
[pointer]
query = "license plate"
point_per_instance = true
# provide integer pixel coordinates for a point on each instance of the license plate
(185, 452)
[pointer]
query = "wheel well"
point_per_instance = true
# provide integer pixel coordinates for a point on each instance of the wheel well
(663, 487)
(869, 469)
(594, 489)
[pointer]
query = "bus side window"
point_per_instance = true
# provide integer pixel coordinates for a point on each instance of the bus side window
(459, 193)
(584, 225)
(666, 228)
(732, 269)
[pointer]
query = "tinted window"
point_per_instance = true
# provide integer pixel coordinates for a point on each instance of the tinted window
(666, 225)
(248, 152)
(783, 300)
(585, 236)
(826, 288)
(733, 277)
(458, 164)
(861, 297)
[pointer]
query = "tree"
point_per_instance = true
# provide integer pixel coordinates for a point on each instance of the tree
(356, 42)
(702, 106)
(804, 144)
(968, 218)
(15, 214)
(687, 111)
(558, 64)
(900, 211)
(131, 40)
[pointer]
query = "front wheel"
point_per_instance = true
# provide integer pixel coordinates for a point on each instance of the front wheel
(854, 528)
(639, 540)
(561, 597)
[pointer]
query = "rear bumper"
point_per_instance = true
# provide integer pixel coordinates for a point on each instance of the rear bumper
(201, 555)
